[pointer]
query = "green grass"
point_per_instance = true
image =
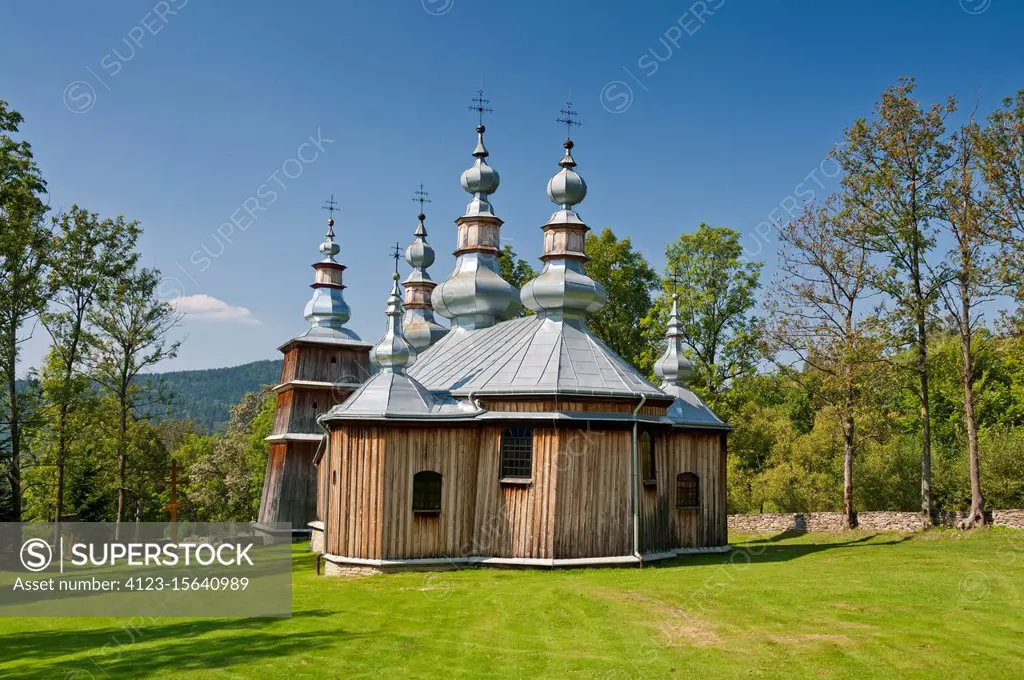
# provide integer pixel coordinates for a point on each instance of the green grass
(860, 605)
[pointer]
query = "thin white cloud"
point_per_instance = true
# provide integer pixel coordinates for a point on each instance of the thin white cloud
(204, 307)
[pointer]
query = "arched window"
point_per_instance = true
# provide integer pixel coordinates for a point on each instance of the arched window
(426, 492)
(646, 444)
(687, 491)
(516, 454)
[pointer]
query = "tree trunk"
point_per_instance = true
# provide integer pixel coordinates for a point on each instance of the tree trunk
(14, 473)
(62, 444)
(121, 464)
(976, 516)
(849, 516)
(922, 372)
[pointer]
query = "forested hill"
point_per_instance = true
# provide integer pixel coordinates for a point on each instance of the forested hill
(207, 396)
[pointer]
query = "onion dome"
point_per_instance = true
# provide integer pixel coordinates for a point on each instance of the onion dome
(393, 353)
(480, 180)
(421, 329)
(673, 367)
(327, 312)
(562, 290)
(567, 188)
(474, 295)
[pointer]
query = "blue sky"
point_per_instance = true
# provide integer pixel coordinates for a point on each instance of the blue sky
(175, 113)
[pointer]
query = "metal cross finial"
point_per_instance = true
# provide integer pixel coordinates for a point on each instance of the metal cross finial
(421, 197)
(568, 119)
(674, 279)
(330, 205)
(396, 253)
(480, 105)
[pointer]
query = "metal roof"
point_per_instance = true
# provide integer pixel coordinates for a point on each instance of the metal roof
(395, 395)
(529, 356)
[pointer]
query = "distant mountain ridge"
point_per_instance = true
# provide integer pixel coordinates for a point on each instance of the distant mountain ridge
(206, 396)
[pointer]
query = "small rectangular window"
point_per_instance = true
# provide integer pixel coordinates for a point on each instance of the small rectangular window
(516, 454)
(646, 454)
(426, 492)
(687, 491)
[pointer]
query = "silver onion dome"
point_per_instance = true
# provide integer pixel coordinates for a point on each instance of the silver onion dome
(393, 352)
(481, 179)
(420, 328)
(562, 290)
(420, 254)
(673, 367)
(327, 312)
(567, 188)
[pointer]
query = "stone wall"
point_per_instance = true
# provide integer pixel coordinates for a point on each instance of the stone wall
(904, 522)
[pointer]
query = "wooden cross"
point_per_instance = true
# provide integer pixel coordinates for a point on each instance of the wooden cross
(568, 119)
(173, 506)
(480, 105)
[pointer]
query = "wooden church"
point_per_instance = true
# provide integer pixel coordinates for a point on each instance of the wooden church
(506, 439)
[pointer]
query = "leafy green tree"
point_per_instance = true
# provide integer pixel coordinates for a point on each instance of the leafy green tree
(23, 290)
(629, 280)
(516, 271)
(894, 169)
(717, 294)
(817, 317)
(129, 334)
(90, 257)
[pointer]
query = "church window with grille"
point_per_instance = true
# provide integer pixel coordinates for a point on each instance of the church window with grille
(687, 491)
(516, 454)
(426, 492)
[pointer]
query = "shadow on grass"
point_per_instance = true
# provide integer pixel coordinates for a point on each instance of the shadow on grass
(776, 549)
(141, 649)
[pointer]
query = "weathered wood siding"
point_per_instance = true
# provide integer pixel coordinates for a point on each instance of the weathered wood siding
(570, 406)
(516, 521)
(662, 525)
(289, 487)
(355, 479)
(451, 451)
(593, 509)
(325, 364)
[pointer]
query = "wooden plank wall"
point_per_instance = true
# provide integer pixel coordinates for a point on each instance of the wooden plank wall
(356, 482)
(289, 489)
(563, 405)
(662, 525)
(314, 363)
(452, 451)
(594, 507)
(516, 521)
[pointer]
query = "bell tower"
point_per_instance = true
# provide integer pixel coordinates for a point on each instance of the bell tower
(322, 367)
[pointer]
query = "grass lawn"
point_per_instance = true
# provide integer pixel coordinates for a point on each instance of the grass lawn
(862, 605)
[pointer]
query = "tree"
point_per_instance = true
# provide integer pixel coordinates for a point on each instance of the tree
(964, 209)
(130, 335)
(716, 288)
(516, 271)
(225, 472)
(817, 318)
(629, 279)
(894, 168)
(1001, 156)
(23, 291)
(90, 258)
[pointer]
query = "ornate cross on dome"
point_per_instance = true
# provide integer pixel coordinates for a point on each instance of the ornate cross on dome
(421, 197)
(480, 105)
(330, 205)
(568, 119)
(396, 253)
(674, 279)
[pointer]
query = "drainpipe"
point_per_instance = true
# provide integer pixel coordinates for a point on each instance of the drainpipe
(326, 459)
(636, 480)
